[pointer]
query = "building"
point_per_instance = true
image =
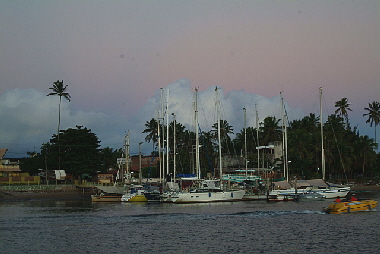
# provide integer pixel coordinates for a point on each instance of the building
(10, 172)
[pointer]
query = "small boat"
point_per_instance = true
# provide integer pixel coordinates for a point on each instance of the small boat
(334, 193)
(135, 194)
(106, 197)
(364, 205)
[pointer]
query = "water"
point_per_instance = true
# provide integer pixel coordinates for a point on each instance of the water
(79, 226)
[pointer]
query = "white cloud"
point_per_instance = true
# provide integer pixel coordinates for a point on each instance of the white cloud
(30, 118)
(181, 98)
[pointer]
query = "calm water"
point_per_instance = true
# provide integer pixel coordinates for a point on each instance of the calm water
(240, 227)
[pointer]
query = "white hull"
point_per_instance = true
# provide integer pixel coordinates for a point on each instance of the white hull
(169, 197)
(326, 193)
(333, 193)
(205, 197)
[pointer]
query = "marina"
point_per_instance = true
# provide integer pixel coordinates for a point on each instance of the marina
(69, 225)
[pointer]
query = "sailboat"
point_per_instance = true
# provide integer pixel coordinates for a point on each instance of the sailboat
(318, 186)
(210, 190)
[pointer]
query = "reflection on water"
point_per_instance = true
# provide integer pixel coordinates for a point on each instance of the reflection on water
(240, 227)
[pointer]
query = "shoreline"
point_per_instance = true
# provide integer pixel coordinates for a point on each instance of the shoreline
(83, 194)
(44, 195)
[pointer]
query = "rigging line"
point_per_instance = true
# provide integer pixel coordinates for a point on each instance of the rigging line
(209, 162)
(205, 119)
(183, 105)
(336, 143)
(305, 99)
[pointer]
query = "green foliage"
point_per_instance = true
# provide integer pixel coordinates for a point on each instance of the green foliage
(76, 151)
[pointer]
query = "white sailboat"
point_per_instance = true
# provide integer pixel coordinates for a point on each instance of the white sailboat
(322, 188)
(210, 190)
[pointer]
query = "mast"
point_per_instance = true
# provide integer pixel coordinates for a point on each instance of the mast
(159, 143)
(245, 142)
(127, 156)
(257, 138)
(197, 163)
(219, 139)
(162, 170)
(284, 139)
(174, 146)
(322, 148)
(167, 132)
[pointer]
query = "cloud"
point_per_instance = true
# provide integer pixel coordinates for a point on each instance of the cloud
(30, 118)
(180, 98)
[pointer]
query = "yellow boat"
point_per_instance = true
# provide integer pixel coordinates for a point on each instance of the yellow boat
(135, 194)
(364, 205)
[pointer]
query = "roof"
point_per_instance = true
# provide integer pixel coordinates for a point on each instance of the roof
(9, 168)
(2, 152)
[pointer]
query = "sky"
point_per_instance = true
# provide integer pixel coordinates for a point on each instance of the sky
(115, 56)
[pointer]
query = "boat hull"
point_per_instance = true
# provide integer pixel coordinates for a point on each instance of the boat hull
(338, 193)
(206, 197)
(106, 198)
(153, 196)
(352, 206)
(133, 198)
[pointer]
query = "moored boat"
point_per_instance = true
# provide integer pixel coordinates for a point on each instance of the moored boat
(209, 191)
(364, 205)
(107, 194)
(106, 197)
(134, 194)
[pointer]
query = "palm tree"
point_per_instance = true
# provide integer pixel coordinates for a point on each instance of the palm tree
(373, 115)
(225, 129)
(342, 107)
(152, 130)
(367, 155)
(59, 90)
(270, 130)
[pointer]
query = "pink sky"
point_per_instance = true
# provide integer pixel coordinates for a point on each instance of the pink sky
(114, 55)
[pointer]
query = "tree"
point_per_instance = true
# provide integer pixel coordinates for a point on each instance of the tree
(59, 90)
(109, 158)
(373, 115)
(79, 150)
(225, 130)
(270, 130)
(342, 107)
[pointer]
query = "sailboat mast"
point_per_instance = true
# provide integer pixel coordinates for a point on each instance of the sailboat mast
(127, 156)
(257, 138)
(174, 146)
(283, 136)
(245, 142)
(322, 148)
(219, 139)
(159, 145)
(284, 139)
(167, 132)
(197, 166)
(163, 135)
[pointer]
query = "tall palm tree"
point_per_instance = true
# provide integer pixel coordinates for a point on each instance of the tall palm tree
(225, 129)
(59, 89)
(342, 107)
(270, 130)
(373, 115)
(152, 130)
